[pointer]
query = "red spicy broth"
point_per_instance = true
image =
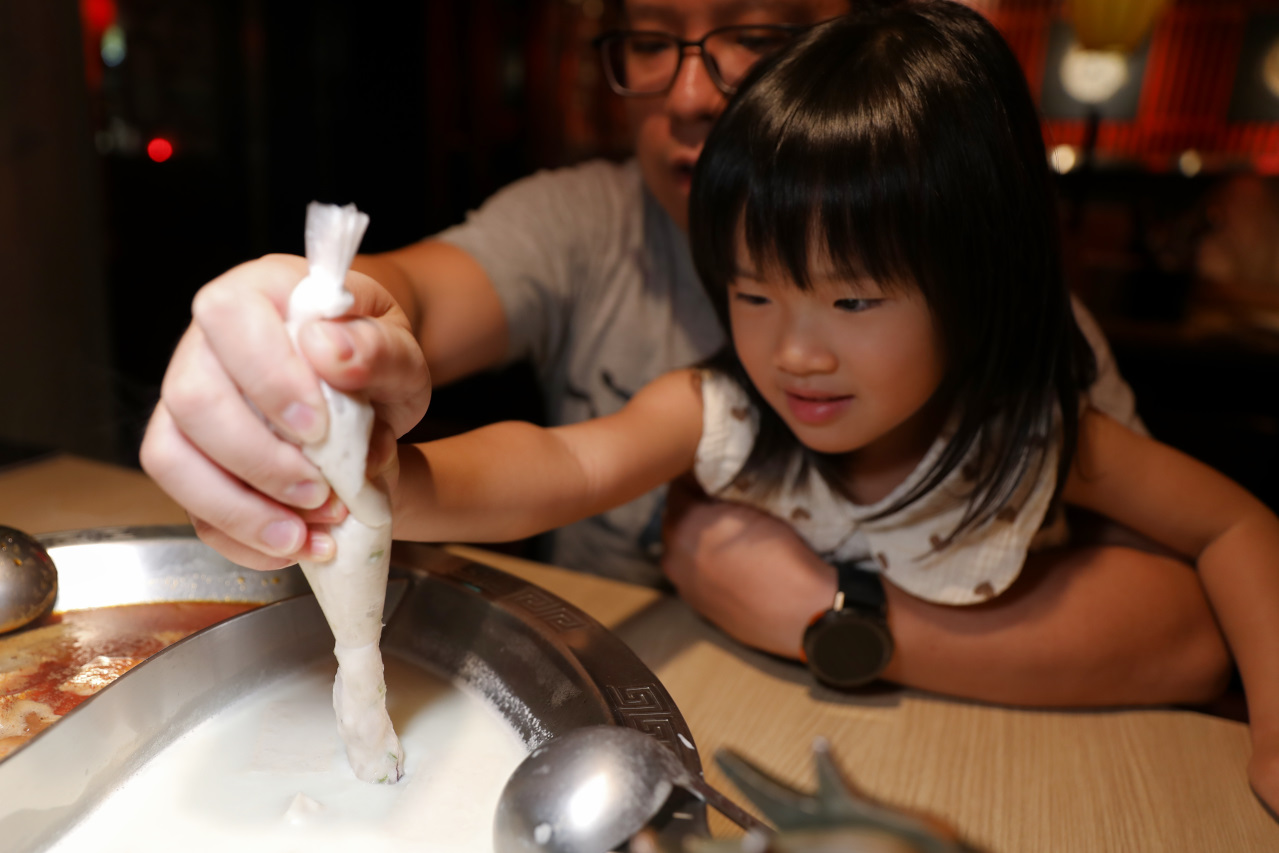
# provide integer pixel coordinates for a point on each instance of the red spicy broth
(48, 669)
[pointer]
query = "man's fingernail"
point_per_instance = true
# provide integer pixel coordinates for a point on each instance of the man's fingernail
(304, 421)
(321, 546)
(307, 494)
(332, 510)
(284, 537)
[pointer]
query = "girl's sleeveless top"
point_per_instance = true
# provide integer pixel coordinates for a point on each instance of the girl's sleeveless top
(906, 547)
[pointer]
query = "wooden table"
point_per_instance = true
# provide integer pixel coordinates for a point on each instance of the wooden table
(1012, 780)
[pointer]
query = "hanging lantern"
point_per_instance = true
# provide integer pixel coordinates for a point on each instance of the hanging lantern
(1117, 25)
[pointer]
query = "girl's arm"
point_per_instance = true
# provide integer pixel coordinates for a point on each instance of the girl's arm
(512, 480)
(1232, 538)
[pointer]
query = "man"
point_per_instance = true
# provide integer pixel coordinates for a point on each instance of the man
(586, 272)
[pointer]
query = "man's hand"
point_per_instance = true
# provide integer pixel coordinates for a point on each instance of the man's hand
(1083, 626)
(745, 571)
(250, 491)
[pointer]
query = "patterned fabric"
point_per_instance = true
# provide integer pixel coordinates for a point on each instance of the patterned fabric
(902, 546)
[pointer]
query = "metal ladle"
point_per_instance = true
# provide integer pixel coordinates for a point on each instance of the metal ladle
(592, 789)
(28, 580)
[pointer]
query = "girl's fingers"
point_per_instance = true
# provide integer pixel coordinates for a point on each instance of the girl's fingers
(206, 408)
(331, 511)
(374, 351)
(382, 450)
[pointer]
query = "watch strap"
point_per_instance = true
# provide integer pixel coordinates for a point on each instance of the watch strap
(860, 588)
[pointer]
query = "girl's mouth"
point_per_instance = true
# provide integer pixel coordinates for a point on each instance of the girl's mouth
(816, 408)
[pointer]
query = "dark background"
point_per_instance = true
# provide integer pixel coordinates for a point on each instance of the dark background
(416, 112)
(419, 111)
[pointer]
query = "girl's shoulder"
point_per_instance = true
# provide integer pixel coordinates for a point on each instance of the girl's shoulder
(676, 391)
(726, 407)
(730, 423)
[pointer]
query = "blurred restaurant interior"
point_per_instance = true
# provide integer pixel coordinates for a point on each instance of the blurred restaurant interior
(151, 145)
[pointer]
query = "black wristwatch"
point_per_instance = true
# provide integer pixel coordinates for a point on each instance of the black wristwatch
(849, 645)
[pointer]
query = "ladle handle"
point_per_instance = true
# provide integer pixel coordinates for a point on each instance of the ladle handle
(728, 808)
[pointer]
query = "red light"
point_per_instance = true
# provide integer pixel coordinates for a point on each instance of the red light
(159, 149)
(98, 14)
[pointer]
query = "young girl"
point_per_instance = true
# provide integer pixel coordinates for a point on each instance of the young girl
(906, 384)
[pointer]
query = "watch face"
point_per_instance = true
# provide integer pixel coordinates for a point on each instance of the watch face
(847, 649)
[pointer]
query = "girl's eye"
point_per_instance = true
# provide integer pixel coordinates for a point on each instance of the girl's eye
(750, 298)
(855, 306)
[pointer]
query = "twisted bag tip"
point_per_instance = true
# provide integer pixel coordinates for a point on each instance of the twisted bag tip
(333, 235)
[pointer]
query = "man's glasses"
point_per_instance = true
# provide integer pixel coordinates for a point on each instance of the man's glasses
(644, 62)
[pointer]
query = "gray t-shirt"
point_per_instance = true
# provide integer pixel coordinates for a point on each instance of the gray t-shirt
(600, 295)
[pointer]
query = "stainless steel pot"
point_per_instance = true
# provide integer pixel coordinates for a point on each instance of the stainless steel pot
(547, 666)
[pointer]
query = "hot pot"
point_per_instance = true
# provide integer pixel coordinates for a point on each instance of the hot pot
(546, 665)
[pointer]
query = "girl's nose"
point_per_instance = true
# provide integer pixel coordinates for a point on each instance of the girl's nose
(693, 96)
(801, 353)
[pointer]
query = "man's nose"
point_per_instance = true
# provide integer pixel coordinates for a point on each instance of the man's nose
(694, 96)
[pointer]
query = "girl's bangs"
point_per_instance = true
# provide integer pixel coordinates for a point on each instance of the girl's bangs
(831, 204)
(813, 177)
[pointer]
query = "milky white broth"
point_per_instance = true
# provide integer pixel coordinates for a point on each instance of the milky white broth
(233, 782)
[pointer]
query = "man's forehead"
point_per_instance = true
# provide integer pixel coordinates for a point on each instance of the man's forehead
(798, 11)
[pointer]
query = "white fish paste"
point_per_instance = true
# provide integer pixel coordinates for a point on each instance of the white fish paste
(352, 587)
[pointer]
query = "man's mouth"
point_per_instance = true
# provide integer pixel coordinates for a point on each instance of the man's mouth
(683, 173)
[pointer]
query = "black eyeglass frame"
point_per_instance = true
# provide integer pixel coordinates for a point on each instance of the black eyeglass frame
(708, 59)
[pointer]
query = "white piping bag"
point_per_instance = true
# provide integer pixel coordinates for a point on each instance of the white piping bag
(351, 588)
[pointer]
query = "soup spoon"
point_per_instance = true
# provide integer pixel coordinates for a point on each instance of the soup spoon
(28, 580)
(593, 788)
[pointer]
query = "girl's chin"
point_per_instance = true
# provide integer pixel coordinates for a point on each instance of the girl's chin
(827, 441)
(830, 448)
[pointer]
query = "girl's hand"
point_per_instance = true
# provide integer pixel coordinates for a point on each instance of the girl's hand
(251, 493)
(1231, 536)
(1263, 775)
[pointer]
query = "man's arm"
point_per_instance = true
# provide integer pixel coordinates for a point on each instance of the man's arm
(450, 303)
(429, 303)
(1080, 627)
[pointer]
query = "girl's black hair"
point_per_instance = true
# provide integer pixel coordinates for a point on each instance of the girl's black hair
(901, 141)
